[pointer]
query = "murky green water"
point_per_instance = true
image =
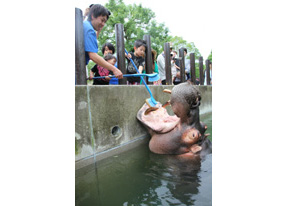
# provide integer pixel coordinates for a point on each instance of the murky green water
(139, 177)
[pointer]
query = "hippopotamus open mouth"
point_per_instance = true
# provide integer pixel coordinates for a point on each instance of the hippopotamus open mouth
(157, 118)
(182, 133)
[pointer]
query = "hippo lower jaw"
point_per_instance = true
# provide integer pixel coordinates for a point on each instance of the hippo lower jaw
(159, 121)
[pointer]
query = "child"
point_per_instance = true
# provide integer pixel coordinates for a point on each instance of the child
(139, 61)
(108, 48)
(155, 66)
(101, 71)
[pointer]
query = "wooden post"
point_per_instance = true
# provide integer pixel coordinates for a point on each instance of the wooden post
(201, 70)
(80, 63)
(207, 72)
(120, 50)
(148, 57)
(192, 68)
(167, 64)
(182, 65)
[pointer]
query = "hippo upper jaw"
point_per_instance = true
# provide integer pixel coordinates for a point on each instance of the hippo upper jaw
(158, 121)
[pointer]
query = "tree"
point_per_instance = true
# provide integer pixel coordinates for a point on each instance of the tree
(137, 21)
(179, 42)
(210, 56)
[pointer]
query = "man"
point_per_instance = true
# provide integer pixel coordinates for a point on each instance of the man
(98, 15)
(161, 66)
(187, 64)
(177, 79)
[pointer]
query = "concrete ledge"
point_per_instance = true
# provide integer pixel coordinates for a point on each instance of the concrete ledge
(111, 152)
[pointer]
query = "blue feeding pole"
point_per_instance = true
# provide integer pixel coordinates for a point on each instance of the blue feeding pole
(151, 101)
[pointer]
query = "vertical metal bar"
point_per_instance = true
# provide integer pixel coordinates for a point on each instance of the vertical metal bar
(182, 65)
(207, 72)
(80, 64)
(148, 56)
(201, 70)
(120, 50)
(167, 64)
(192, 68)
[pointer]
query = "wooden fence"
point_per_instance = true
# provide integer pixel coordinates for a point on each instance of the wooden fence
(80, 66)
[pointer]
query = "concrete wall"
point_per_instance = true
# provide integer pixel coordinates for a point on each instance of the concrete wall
(105, 118)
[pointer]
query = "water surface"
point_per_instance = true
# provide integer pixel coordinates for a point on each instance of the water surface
(139, 177)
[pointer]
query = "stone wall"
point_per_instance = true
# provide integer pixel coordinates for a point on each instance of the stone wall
(105, 118)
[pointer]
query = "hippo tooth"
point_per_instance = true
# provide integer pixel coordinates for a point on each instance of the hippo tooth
(150, 109)
(167, 91)
(166, 104)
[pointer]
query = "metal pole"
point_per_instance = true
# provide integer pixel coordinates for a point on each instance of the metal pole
(120, 50)
(201, 70)
(182, 64)
(207, 72)
(192, 68)
(148, 56)
(167, 64)
(80, 64)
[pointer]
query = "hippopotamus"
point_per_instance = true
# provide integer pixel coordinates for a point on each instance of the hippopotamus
(181, 134)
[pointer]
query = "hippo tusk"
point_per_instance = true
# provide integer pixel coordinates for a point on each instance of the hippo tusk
(150, 109)
(167, 91)
(166, 104)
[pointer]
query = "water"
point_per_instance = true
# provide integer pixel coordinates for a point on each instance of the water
(139, 177)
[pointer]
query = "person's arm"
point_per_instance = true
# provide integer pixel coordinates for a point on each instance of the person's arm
(101, 62)
(177, 67)
(141, 69)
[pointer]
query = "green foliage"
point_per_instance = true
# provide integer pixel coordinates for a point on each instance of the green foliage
(179, 42)
(137, 21)
(210, 56)
(90, 65)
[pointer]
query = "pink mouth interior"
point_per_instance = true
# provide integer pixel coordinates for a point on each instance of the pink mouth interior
(159, 120)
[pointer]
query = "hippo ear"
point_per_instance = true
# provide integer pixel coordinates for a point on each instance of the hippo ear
(195, 148)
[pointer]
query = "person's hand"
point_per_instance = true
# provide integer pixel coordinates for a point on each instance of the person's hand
(107, 78)
(118, 74)
(91, 77)
(129, 56)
